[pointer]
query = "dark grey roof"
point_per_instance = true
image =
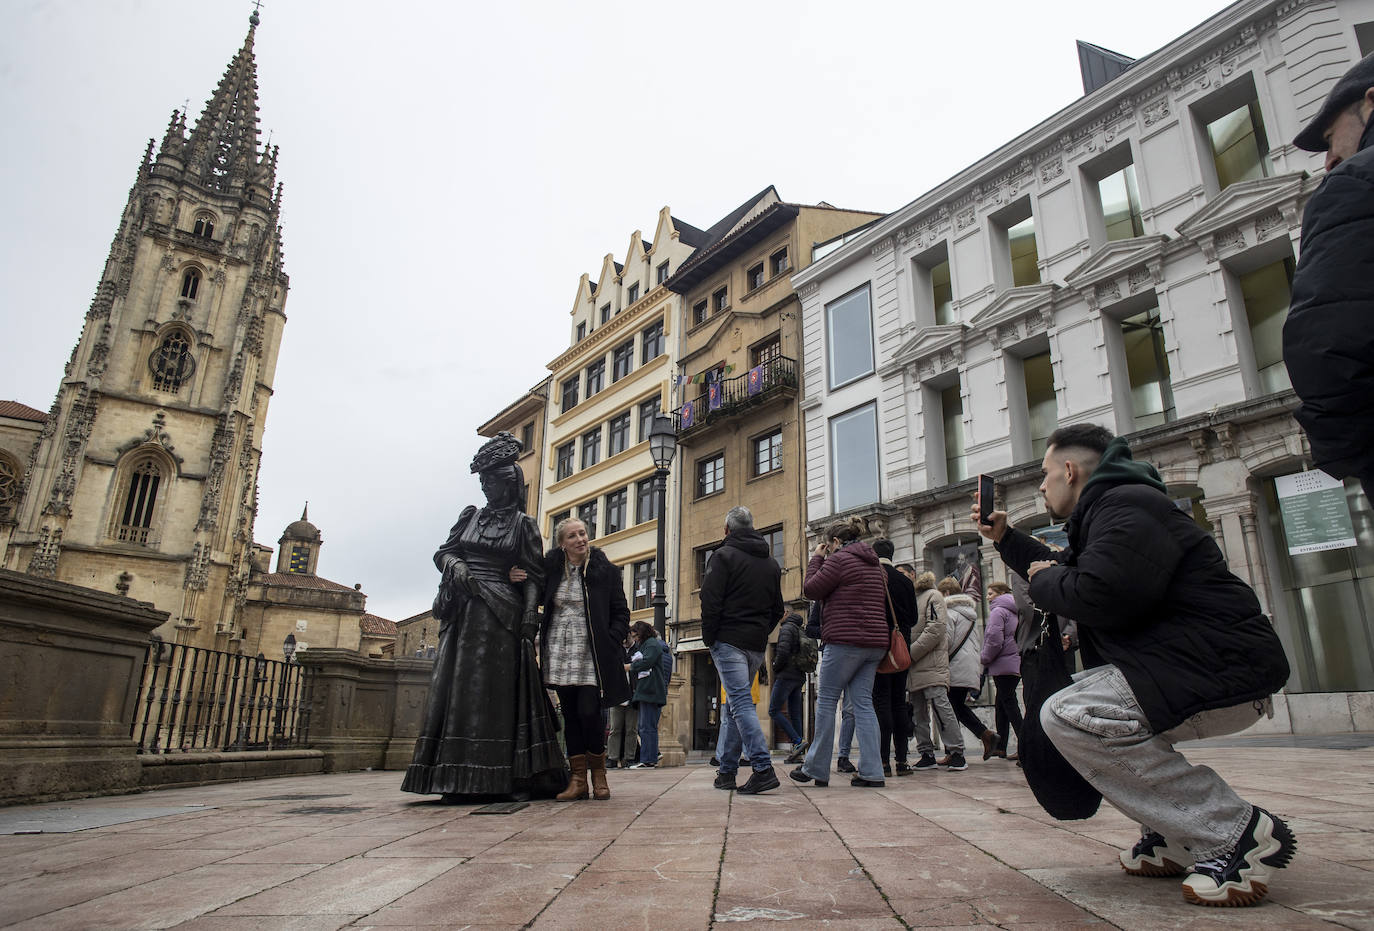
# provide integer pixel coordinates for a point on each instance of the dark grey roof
(1099, 65)
(688, 234)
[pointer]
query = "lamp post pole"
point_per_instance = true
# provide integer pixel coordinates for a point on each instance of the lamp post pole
(662, 446)
(288, 648)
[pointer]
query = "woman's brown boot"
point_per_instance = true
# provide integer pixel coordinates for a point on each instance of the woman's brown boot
(577, 786)
(989, 740)
(596, 765)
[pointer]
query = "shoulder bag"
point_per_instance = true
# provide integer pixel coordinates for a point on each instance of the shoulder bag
(898, 656)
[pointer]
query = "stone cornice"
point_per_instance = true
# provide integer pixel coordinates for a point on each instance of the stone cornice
(595, 342)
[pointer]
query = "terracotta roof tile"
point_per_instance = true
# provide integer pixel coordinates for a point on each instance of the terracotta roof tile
(299, 580)
(21, 412)
(372, 624)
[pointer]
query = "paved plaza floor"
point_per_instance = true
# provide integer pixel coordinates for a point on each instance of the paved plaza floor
(668, 851)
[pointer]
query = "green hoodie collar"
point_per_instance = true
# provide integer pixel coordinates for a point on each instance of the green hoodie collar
(1118, 468)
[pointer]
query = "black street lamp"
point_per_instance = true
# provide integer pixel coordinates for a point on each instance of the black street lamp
(288, 649)
(662, 446)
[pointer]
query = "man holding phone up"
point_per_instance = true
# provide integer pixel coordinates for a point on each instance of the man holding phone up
(1174, 647)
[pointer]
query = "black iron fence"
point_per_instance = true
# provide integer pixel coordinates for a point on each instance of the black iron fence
(191, 698)
(734, 395)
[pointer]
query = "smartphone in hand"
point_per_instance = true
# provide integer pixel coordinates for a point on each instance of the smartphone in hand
(986, 499)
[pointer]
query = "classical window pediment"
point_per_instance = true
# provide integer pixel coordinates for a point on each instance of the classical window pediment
(1119, 269)
(932, 350)
(1016, 314)
(1246, 213)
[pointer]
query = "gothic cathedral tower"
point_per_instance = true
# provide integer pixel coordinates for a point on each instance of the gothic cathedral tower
(144, 477)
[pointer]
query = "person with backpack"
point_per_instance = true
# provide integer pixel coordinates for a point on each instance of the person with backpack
(789, 675)
(741, 603)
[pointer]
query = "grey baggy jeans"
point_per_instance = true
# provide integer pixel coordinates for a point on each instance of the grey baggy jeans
(1100, 728)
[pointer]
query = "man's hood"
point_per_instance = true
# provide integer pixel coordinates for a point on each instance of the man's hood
(1118, 468)
(748, 541)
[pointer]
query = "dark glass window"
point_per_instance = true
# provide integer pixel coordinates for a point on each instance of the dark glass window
(137, 519)
(710, 475)
(777, 263)
(596, 377)
(646, 500)
(768, 453)
(699, 313)
(587, 514)
(652, 343)
(644, 573)
(204, 228)
(190, 284)
(566, 452)
(605, 312)
(718, 301)
(766, 352)
(661, 273)
(647, 412)
(582, 331)
(774, 539)
(619, 433)
(527, 437)
(623, 360)
(570, 386)
(591, 448)
(632, 294)
(617, 510)
(754, 277)
(703, 560)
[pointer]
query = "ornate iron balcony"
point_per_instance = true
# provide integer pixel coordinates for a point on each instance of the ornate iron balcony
(734, 396)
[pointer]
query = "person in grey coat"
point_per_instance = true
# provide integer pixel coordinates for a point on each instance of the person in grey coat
(927, 679)
(965, 672)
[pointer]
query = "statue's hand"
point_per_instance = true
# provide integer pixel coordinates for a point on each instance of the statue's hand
(529, 627)
(456, 574)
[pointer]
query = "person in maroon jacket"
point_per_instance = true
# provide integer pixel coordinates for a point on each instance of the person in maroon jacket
(845, 572)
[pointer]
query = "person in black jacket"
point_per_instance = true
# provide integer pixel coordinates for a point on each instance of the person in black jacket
(889, 688)
(1176, 649)
(787, 686)
(586, 619)
(741, 603)
(1328, 338)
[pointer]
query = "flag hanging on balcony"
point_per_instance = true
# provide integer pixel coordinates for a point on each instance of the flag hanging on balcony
(688, 415)
(715, 393)
(756, 379)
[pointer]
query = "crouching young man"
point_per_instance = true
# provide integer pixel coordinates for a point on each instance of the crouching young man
(1175, 648)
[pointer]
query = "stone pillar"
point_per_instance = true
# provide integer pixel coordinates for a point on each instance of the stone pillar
(353, 708)
(671, 737)
(70, 664)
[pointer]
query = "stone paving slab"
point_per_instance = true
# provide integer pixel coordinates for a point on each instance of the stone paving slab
(668, 851)
(66, 819)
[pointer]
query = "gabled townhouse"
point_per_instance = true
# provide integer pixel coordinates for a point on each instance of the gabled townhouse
(1127, 262)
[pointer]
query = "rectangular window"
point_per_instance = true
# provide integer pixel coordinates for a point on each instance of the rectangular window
(754, 277)
(718, 301)
(596, 377)
(849, 337)
(952, 415)
(854, 458)
(661, 273)
(710, 475)
(651, 343)
(699, 312)
(617, 510)
(766, 352)
(768, 453)
(1042, 407)
(932, 283)
(1267, 292)
(1025, 267)
(646, 500)
(1147, 367)
(1120, 205)
(632, 294)
(566, 452)
(605, 313)
(570, 386)
(582, 331)
(643, 582)
(558, 519)
(591, 448)
(1239, 145)
(619, 433)
(942, 293)
(648, 410)
(587, 514)
(623, 359)
(703, 560)
(774, 539)
(777, 263)
(527, 437)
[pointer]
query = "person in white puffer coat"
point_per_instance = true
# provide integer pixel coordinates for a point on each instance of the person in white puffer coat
(964, 668)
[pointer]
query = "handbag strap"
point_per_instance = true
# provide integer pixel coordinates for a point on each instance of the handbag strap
(963, 640)
(891, 612)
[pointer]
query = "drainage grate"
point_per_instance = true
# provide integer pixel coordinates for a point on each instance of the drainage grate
(324, 810)
(295, 798)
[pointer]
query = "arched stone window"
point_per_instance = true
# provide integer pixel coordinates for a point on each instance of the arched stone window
(172, 362)
(9, 484)
(190, 284)
(140, 502)
(204, 226)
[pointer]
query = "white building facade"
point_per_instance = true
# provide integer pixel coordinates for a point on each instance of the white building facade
(1125, 262)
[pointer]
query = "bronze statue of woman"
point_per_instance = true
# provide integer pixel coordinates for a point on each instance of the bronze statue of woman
(488, 728)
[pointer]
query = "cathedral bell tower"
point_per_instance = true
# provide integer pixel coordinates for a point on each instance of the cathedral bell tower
(147, 466)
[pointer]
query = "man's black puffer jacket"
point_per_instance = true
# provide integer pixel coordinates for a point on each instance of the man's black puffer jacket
(1328, 339)
(741, 596)
(1152, 596)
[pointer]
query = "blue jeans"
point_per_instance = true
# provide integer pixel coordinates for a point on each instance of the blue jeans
(847, 669)
(740, 728)
(846, 725)
(648, 732)
(787, 692)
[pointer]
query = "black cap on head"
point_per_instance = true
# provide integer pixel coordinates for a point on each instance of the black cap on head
(1350, 88)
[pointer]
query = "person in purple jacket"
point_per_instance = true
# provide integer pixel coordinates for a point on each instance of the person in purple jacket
(1002, 661)
(845, 572)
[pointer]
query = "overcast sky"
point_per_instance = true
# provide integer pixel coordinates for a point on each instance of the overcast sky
(450, 170)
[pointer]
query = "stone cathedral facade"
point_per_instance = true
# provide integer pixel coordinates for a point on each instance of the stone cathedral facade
(143, 478)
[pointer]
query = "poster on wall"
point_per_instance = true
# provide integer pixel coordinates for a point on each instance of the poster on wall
(1316, 515)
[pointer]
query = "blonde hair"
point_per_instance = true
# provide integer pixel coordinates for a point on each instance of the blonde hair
(563, 525)
(998, 588)
(924, 581)
(949, 585)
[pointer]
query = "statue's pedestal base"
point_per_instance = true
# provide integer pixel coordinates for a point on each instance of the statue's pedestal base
(669, 739)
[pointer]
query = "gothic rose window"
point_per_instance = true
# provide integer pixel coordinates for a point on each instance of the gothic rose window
(172, 363)
(9, 483)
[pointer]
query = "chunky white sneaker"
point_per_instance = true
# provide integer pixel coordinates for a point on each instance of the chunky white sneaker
(1153, 855)
(1241, 876)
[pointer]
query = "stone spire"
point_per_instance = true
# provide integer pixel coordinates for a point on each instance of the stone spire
(224, 142)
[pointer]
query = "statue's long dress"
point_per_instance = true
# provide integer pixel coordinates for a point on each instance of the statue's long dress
(488, 726)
